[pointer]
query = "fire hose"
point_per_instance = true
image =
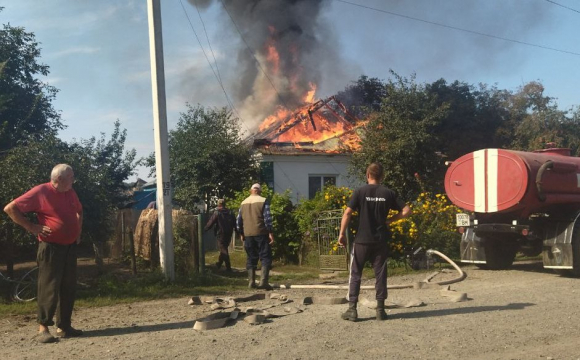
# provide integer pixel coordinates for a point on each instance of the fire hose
(461, 275)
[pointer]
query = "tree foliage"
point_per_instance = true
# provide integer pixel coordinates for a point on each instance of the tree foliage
(100, 166)
(207, 156)
(29, 146)
(474, 119)
(420, 126)
(26, 109)
(538, 121)
(363, 96)
(402, 137)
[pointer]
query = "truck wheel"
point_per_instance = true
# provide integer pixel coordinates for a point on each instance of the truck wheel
(499, 253)
(575, 272)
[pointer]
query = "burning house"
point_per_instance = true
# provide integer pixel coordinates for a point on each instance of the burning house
(302, 144)
(308, 148)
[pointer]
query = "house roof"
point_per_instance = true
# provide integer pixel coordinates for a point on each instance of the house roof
(324, 127)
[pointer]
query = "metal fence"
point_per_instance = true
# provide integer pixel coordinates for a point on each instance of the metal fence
(331, 256)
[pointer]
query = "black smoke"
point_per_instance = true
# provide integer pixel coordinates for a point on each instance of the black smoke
(297, 32)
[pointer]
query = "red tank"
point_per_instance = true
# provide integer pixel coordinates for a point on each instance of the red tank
(515, 182)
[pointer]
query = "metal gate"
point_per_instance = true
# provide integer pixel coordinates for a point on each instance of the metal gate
(331, 256)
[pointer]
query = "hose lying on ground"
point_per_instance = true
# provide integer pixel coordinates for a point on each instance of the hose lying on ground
(459, 278)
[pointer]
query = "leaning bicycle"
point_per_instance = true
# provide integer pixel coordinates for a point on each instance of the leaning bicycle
(24, 289)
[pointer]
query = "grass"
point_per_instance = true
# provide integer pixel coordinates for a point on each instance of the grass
(118, 285)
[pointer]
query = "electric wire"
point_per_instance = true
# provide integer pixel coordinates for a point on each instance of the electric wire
(208, 42)
(565, 7)
(458, 28)
(212, 68)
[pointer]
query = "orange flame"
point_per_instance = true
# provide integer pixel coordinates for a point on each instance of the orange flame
(272, 55)
(309, 98)
(315, 121)
(281, 113)
(304, 131)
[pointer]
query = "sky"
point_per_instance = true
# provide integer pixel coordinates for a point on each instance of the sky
(99, 57)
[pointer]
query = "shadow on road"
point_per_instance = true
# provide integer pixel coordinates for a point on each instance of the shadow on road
(459, 311)
(114, 331)
(531, 266)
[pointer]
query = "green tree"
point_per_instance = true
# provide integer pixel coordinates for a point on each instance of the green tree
(473, 120)
(29, 147)
(100, 166)
(363, 96)
(26, 109)
(537, 121)
(26, 114)
(402, 137)
(207, 156)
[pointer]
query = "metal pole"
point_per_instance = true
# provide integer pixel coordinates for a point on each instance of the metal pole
(200, 222)
(161, 145)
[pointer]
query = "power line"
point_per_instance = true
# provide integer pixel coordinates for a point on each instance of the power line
(212, 69)
(458, 28)
(208, 42)
(565, 7)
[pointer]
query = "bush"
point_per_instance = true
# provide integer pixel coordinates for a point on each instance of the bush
(307, 213)
(431, 226)
(184, 230)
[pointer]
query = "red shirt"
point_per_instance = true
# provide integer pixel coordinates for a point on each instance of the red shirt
(57, 210)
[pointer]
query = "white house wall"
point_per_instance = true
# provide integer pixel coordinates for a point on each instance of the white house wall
(292, 172)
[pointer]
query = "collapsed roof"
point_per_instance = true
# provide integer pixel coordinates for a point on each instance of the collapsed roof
(323, 127)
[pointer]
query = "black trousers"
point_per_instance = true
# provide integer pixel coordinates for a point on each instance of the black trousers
(224, 256)
(57, 280)
(258, 248)
(377, 255)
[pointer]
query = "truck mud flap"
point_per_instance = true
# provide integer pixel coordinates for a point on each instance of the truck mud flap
(472, 248)
(557, 242)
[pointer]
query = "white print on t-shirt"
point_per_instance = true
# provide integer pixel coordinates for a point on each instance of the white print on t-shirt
(375, 199)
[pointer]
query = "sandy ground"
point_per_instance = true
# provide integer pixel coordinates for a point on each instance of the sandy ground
(522, 313)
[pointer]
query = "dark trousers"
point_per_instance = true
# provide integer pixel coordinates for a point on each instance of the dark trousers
(224, 253)
(258, 248)
(377, 255)
(57, 280)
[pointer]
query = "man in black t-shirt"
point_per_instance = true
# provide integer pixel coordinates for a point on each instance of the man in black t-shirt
(373, 202)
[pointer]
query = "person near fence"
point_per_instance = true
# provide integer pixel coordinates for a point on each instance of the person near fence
(254, 224)
(60, 217)
(223, 223)
(373, 202)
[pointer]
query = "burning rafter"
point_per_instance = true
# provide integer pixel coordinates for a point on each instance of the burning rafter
(310, 125)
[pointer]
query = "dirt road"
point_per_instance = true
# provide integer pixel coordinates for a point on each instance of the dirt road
(523, 313)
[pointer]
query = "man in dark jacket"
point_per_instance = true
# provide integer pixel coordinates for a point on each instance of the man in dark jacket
(373, 202)
(224, 224)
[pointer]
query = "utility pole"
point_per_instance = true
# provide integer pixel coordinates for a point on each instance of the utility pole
(161, 144)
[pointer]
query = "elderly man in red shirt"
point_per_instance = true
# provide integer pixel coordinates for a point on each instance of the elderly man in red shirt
(60, 217)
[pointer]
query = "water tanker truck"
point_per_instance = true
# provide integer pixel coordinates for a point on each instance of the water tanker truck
(517, 201)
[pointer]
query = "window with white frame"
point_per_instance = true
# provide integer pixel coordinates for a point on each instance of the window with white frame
(317, 183)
